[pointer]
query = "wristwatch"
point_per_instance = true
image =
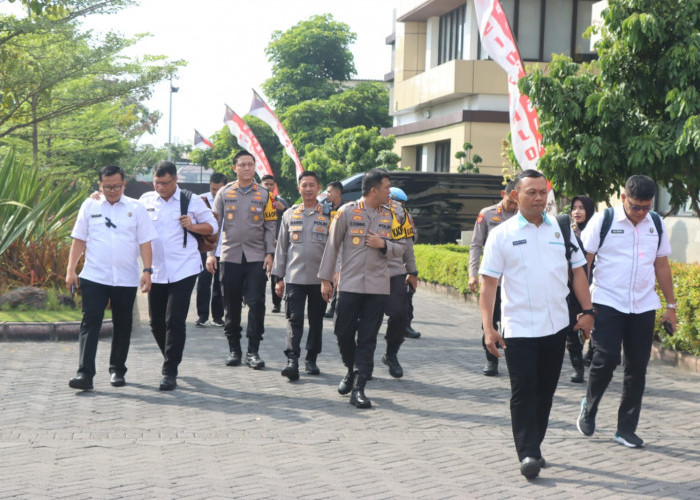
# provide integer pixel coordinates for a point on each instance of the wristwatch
(671, 306)
(148, 270)
(588, 311)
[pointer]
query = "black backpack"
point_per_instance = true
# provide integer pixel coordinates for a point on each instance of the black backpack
(204, 243)
(608, 219)
(571, 300)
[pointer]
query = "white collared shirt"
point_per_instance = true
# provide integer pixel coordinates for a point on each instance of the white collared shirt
(624, 276)
(210, 199)
(532, 262)
(111, 253)
(171, 261)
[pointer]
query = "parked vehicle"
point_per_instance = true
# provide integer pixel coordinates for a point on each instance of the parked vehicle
(443, 204)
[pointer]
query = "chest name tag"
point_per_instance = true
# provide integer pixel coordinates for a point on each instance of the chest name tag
(150, 209)
(95, 215)
(519, 242)
(618, 231)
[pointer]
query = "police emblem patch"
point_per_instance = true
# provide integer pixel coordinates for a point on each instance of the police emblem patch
(480, 218)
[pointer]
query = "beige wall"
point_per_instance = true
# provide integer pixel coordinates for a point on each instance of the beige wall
(409, 56)
(485, 137)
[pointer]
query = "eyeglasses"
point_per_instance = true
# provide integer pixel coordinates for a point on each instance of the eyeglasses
(639, 208)
(163, 183)
(112, 189)
(109, 223)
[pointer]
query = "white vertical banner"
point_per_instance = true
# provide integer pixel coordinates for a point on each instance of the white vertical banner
(497, 39)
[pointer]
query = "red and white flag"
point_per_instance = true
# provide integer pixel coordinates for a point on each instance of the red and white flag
(247, 140)
(201, 142)
(497, 39)
(261, 110)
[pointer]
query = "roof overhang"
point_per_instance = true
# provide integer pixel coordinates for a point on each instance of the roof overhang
(431, 8)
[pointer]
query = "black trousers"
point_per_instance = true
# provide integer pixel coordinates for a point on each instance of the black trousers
(168, 304)
(358, 317)
(276, 299)
(396, 310)
(409, 306)
(296, 296)
(534, 366)
(95, 298)
(205, 294)
(246, 280)
(496, 320)
(634, 333)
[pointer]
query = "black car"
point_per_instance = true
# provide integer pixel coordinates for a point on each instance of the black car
(443, 204)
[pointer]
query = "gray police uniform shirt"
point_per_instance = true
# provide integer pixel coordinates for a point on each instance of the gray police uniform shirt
(362, 269)
(300, 244)
(248, 222)
(488, 219)
(406, 263)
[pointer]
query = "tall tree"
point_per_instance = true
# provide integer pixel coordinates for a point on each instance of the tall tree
(309, 61)
(634, 111)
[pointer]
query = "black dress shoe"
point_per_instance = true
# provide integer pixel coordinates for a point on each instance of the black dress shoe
(291, 371)
(82, 382)
(253, 360)
(530, 467)
(168, 383)
(491, 368)
(117, 380)
(542, 462)
(329, 314)
(276, 309)
(234, 358)
(411, 333)
(312, 368)
(346, 384)
(358, 398)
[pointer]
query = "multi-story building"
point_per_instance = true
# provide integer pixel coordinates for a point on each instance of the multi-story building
(445, 92)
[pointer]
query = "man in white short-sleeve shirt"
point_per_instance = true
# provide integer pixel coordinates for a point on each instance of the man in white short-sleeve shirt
(529, 253)
(111, 230)
(632, 257)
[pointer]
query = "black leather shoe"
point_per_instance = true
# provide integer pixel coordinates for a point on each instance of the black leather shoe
(168, 383)
(117, 380)
(530, 467)
(542, 462)
(276, 309)
(234, 358)
(329, 314)
(358, 398)
(253, 360)
(311, 367)
(346, 384)
(82, 382)
(392, 362)
(291, 371)
(411, 333)
(491, 368)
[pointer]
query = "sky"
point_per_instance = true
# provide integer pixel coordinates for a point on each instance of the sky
(224, 43)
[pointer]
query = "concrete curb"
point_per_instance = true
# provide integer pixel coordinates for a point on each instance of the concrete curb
(67, 330)
(680, 360)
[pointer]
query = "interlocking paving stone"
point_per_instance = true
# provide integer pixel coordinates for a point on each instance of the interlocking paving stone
(442, 431)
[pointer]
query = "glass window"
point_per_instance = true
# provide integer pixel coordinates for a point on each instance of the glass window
(529, 28)
(419, 158)
(442, 156)
(557, 28)
(451, 37)
(583, 21)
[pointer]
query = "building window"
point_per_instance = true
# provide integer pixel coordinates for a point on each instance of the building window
(442, 156)
(451, 38)
(419, 158)
(545, 27)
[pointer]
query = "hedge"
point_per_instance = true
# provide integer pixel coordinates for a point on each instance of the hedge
(448, 265)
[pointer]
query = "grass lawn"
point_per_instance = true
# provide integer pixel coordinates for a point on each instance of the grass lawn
(66, 314)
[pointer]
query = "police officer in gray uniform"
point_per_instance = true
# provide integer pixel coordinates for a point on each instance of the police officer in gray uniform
(489, 218)
(403, 275)
(248, 220)
(300, 244)
(362, 229)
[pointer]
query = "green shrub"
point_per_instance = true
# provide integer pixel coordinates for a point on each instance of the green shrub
(444, 264)
(686, 287)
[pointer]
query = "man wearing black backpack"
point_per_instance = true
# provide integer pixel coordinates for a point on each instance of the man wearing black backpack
(177, 216)
(636, 251)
